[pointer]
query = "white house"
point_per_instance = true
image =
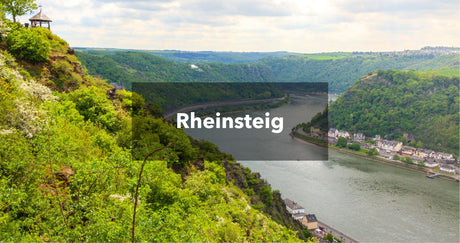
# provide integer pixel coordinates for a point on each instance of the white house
(359, 137)
(334, 133)
(389, 145)
(293, 207)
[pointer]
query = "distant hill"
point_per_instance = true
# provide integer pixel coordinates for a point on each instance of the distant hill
(125, 68)
(391, 103)
(339, 69)
(193, 56)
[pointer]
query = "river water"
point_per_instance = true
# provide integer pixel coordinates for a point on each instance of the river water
(367, 200)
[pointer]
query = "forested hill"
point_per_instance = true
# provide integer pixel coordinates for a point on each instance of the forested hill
(193, 56)
(391, 103)
(69, 170)
(340, 70)
(125, 68)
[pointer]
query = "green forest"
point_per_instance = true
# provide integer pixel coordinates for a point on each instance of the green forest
(172, 95)
(193, 56)
(73, 167)
(338, 69)
(125, 68)
(392, 102)
(341, 71)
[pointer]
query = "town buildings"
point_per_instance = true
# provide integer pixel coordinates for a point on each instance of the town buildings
(389, 148)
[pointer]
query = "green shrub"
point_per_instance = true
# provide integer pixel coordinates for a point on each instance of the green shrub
(29, 44)
(408, 160)
(57, 44)
(93, 105)
(372, 151)
(355, 146)
(341, 142)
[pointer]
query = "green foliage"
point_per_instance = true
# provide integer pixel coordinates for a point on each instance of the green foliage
(170, 96)
(391, 103)
(68, 171)
(93, 104)
(29, 44)
(17, 7)
(340, 71)
(341, 142)
(355, 147)
(194, 57)
(408, 160)
(150, 133)
(320, 120)
(396, 157)
(127, 67)
(372, 152)
(306, 233)
(329, 237)
(266, 195)
(94, 202)
(132, 102)
(56, 43)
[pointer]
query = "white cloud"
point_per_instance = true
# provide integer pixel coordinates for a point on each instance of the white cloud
(258, 25)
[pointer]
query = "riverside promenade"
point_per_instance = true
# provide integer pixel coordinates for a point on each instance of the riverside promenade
(341, 236)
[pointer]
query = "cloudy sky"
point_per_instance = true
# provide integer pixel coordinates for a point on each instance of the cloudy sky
(256, 25)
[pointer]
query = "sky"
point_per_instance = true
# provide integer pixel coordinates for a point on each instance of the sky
(306, 26)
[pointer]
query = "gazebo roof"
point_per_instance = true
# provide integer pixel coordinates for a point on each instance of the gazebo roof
(40, 17)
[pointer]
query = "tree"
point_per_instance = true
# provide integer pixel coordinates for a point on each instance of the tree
(18, 7)
(306, 233)
(372, 151)
(329, 237)
(396, 157)
(408, 160)
(419, 144)
(341, 143)
(402, 139)
(355, 146)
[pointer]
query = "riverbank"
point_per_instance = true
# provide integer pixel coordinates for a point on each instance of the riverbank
(336, 233)
(170, 114)
(299, 137)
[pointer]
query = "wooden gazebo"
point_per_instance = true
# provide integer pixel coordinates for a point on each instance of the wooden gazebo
(39, 19)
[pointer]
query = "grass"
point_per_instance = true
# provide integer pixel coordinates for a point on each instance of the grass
(445, 71)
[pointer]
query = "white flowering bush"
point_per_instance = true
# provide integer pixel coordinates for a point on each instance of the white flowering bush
(21, 101)
(4, 30)
(27, 118)
(37, 90)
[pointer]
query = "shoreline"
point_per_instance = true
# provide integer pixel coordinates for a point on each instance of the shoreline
(379, 160)
(168, 115)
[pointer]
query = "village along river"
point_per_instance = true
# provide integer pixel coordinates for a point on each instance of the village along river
(367, 200)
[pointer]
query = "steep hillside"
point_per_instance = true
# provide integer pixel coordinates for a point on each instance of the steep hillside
(46, 58)
(391, 103)
(69, 171)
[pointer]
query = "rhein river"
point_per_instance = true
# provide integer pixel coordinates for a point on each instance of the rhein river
(366, 200)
